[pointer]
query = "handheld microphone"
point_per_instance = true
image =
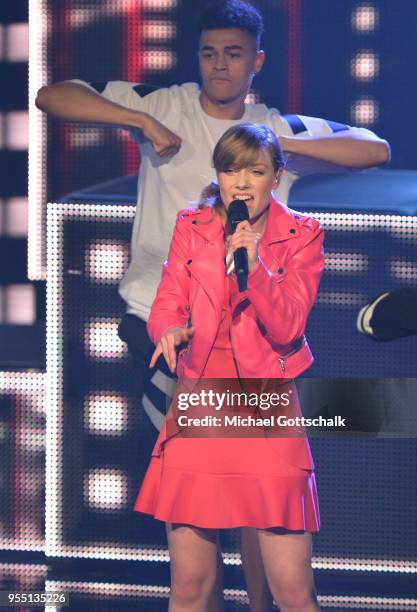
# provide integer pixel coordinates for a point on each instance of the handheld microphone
(237, 212)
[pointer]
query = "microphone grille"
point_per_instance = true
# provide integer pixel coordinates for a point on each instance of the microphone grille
(237, 212)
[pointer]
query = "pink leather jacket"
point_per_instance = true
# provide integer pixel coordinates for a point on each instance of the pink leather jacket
(268, 319)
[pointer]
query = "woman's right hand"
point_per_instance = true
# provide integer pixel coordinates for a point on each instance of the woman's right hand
(168, 343)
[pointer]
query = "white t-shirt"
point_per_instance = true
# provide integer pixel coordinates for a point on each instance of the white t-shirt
(167, 185)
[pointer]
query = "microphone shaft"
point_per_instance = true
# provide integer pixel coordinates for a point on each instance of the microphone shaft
(240, 257)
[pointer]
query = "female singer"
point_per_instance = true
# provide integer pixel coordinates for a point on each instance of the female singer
(266, 483)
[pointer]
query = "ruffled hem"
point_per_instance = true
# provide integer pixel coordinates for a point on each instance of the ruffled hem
(226, 501)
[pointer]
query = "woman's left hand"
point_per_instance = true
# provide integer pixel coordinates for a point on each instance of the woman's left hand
(247, 238)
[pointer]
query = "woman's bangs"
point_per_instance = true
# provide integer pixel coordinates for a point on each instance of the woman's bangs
(233, 155)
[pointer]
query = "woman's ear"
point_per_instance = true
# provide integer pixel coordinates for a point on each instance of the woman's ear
(277, 180)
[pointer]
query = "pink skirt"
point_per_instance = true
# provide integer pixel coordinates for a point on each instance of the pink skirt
(228, 482)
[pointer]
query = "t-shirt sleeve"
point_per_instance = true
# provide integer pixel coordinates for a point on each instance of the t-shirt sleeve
(301, 126)
(162, 103)
(136, 96)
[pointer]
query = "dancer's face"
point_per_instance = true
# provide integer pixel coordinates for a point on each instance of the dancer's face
(228, 61)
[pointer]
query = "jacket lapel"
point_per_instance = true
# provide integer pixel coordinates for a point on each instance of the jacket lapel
(281, 224)
(207, 256)
(280, 227)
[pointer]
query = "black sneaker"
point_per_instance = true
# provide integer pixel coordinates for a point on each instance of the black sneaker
(390, 315)
(363, 322)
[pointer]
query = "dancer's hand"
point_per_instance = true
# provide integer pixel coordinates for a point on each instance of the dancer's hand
(168, 343)
(164, 142)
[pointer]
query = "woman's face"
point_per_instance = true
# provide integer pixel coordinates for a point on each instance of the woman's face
(252, 184)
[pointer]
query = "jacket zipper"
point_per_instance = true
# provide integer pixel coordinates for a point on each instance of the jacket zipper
(284, 357)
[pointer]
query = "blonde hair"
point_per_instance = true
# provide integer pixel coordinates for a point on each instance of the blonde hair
(238, 148)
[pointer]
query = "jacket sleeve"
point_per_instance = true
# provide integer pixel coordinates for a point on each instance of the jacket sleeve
(283, 301)
(171, 305)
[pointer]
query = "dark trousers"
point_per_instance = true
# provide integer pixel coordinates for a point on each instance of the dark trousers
(152, 385)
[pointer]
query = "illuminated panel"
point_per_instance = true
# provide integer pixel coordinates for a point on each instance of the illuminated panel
(83, 17)
(365, 565)
(115, 591)
(159, 31)
(342, 298)
(80, 138)
(345, 263)
(404, 270)
(157, 61)
(102, 341)
(366, 603)
(22, 577)
(16, 216)
(105, 490)
(38, 77)
(118, 591)
(22, 452)
(159, 5)
(365, 111)
(17, 48)
(106, 414)
(54, 352)
(365, 18)
(20, 305)
(16, 124)
(403, 226)
(106, 261)
(364, 66)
